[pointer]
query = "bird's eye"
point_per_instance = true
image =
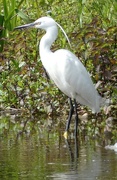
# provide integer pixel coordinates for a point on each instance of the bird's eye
(38, 23)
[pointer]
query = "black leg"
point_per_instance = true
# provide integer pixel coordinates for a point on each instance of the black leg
(76, 118)
(46, 74)
(70, 114)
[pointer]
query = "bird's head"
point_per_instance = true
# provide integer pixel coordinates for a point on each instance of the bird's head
(44, 23)
(41, 23)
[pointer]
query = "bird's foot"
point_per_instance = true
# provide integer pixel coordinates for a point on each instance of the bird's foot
(65, 134)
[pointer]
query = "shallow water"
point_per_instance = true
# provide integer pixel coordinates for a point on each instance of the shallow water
(49, 156)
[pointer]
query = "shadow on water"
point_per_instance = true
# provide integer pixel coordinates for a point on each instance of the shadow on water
(47, 155)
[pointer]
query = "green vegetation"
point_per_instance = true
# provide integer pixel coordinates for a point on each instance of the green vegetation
(91, 27)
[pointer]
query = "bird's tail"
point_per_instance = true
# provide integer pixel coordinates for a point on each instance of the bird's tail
(100, 102)
(105, 102)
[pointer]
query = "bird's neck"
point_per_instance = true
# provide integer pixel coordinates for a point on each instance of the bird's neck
(47, 40)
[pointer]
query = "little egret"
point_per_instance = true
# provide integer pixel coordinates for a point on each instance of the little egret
(66, 70)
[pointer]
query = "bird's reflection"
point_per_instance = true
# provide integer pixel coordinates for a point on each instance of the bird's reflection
(72, 146)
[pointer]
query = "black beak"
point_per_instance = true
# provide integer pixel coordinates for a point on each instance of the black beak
(25, 26)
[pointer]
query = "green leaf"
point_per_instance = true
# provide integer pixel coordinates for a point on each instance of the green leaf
(5, 5)
(1, 20)
(22, 15)
(20, 3)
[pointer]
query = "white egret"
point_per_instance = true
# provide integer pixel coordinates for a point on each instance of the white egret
(66, 70)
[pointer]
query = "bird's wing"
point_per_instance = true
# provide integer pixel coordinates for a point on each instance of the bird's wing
(74, 79)
(73, 72)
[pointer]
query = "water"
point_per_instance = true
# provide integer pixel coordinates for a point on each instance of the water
(48, 156)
